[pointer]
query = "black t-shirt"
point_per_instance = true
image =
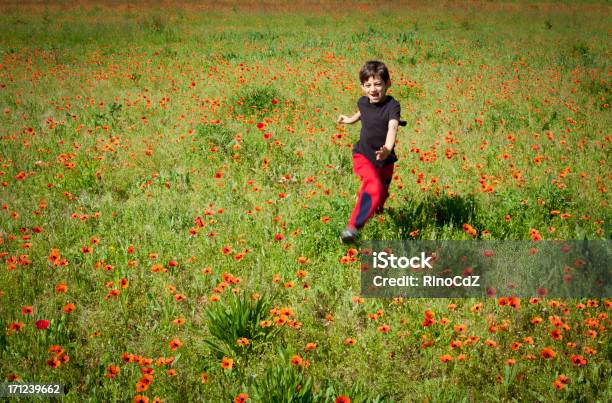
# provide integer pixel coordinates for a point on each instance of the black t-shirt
(374, 126)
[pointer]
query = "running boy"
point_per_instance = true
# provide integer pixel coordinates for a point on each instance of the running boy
(373, 155)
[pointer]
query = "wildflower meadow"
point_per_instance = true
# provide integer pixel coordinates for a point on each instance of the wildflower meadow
(173, 183)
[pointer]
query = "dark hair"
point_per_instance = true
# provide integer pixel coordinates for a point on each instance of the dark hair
(374, 68)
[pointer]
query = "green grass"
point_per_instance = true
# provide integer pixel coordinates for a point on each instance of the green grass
(508, 115)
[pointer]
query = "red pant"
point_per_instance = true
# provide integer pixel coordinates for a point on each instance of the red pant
(374, 190)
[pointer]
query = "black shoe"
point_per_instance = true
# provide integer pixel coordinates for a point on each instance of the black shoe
(349, 235)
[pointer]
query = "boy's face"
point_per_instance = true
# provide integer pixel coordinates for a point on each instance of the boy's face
(375, 89)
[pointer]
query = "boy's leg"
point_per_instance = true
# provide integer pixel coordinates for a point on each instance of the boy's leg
(385, 174)
(369, 193)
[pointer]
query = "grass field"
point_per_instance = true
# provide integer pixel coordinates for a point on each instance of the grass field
(174, 182)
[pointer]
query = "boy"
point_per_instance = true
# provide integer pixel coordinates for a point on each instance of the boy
(373, 154)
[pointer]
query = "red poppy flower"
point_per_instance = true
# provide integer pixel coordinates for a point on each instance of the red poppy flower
(310, 346)
(515, 346)
(297, 360)
(112, 371)
(241, 398)
(16, 326)
(69, 308)
(350, 341)
(558, 385)
(514, 302)
(578, 360)
(54, 363)
(54, 257)
(548, 353)
(535, 235)
(175, 344)
(227, 363)
(42, 324)
(470, 230)
(563, 379)
(556, 334)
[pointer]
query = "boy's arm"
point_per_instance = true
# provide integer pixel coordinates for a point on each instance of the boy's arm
(385, 150)
(349, 119)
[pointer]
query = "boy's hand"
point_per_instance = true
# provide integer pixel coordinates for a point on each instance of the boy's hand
(382, 154)
(349, 120)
